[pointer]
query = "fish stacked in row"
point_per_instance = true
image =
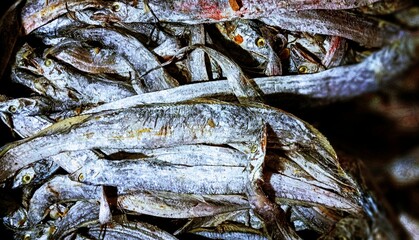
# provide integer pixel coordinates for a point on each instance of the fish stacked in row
(159, 110)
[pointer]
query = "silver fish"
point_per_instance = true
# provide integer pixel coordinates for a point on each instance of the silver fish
(80, 89)
(133, 175)
(81, 214)
(230, 231)
(91, 60)
(129, 230)
(38, 13)
(342, 81)
(180, 205)
(151, 127)
(59, 188)
(260, 41)
(143, 61)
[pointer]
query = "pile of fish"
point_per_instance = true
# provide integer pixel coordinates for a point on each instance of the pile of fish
(157, 119)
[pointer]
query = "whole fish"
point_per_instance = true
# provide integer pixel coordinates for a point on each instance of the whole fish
(195, 12)
(92, 60)
(80, 89)
(143, 175)
(150, 127)
(261, 42)
(155, 78)
(180, 205)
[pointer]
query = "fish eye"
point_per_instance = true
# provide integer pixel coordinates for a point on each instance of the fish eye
(253, 148)
(260, 42)
(12, 109)
(80, 177)
(116, 7)
(26, 179)
(302, 69)
(48, 62)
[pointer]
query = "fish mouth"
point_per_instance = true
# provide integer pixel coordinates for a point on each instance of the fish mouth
(28, 61)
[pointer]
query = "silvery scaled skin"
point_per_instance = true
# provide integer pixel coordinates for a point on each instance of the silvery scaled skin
(155, 78)
(77, 88)
(91, 60)
(175, 205)
(129, 230)
(334, 84)
(151, 127)
(153, 175)
(81, 214)
(59, 188)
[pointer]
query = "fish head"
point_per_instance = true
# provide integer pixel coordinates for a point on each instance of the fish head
(24, 106)
(304, 62)
(87, 172)
(25, 59)
(261, 42)
(24, 177)
(113, 12)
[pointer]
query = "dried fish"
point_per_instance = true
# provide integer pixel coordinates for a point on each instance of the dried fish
(59, 188)
(129, 230)
(135, 52)
(153, 175)
(81, 214)
(92, 60)
(150, 127)
(175, 205)
(77, 88)
(229, 231)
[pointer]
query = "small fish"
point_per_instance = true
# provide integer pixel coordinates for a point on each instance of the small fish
(78, 88)
(229, 231)
(303, 61)
(260, 41)
(59, 188)
(153, 175)
(143, 61)
(180, 205)
(91, 60)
